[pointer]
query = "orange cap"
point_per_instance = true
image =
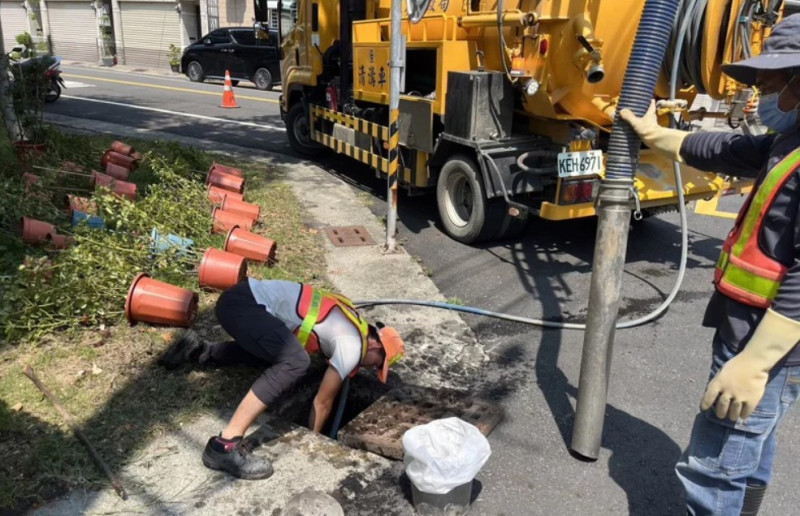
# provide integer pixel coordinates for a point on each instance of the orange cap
(393, 347)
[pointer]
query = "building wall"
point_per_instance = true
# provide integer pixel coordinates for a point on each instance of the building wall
(236, 13)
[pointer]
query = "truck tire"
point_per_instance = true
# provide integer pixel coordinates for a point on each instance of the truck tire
(298, 132)
(461, 200)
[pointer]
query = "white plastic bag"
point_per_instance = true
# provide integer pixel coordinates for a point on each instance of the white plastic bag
(444, 454)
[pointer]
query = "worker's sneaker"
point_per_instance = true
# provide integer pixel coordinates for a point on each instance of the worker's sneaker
(186, 348)
(235, 457)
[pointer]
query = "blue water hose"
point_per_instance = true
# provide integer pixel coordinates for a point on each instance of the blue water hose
(638, 85)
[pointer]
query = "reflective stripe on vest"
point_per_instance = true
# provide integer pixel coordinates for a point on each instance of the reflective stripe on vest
(312, 316)
(744, 273)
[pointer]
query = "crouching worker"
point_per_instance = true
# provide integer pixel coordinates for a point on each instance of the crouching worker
(280, 323)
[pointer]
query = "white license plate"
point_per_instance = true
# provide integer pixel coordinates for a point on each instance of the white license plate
(584, 163)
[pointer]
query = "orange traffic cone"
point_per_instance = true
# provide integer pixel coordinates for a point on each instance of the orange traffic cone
(228, 100)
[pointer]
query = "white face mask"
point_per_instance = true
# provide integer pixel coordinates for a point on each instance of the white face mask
(773, 116)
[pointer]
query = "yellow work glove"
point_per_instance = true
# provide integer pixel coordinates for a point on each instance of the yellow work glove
(662, 139)
(740, 384)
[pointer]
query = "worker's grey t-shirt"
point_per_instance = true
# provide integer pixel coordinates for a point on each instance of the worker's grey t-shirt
(752, 156)
(339, 339)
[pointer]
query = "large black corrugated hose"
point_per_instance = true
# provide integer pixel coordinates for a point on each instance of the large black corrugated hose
(640, 79)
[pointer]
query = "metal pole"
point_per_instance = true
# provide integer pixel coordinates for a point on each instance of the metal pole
(614, 212)
(396, 64)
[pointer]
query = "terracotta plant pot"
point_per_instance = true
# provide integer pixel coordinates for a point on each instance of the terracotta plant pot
(117, 172)
(225, 221)
(26, 151)
(221, 270)
(57, 241)
(118, 159)
(225, 181)
(157, 302)
(245, 209)
(121, 188)
(30, 179)
(122, 148)
(217, 194)
(70, 166)
(226, 169)
(80, 204)
(35, 231)
(251, 246)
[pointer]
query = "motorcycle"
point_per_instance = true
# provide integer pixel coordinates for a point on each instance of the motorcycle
(51, 67)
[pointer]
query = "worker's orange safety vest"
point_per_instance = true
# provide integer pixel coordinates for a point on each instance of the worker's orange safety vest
(744, 273)
(314, 305)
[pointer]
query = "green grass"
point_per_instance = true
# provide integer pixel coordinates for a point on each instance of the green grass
(131, 400)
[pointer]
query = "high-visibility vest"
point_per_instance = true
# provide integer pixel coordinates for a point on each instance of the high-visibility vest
(314, 305)
(744, 273)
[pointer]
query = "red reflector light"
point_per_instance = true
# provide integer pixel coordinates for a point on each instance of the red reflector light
(573, 192)
(543, 46)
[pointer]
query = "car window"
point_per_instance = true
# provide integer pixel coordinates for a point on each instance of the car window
(219, 37)
(244, 37)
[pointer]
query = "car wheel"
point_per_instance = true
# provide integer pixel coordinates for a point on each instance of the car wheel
(299, 132)
(235, 82)
(195, 72)
(262, 79)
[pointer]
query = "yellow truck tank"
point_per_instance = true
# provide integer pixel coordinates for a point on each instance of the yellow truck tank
(499, 101)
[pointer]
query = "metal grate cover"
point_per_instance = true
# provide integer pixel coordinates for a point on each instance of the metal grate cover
(380, 428)
(342, 236)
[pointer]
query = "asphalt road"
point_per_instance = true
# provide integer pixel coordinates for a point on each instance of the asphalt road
(658, 370)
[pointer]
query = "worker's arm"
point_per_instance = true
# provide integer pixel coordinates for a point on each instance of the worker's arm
(734, 154)
(325, 399)
(737, 155)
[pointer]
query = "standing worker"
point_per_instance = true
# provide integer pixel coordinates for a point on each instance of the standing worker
(755, 309)
(281, 323)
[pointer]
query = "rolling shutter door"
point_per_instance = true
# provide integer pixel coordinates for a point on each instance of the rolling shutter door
(148, 28)
(15, 21)
(73, 30)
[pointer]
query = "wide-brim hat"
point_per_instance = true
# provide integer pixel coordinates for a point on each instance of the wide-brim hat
(781, 51)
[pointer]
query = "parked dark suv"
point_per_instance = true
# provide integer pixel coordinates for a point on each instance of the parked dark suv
(237, 50)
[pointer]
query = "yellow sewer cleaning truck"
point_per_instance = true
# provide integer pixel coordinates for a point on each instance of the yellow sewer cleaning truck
(505, 105)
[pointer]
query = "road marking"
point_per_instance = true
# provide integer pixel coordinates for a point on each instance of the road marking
(170, 88)
(178, 113)
(74, 84)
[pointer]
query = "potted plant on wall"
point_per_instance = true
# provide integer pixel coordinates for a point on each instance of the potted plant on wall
(174, 56)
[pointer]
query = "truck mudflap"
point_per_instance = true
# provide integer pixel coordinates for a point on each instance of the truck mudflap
(655, 184)
(499, 161)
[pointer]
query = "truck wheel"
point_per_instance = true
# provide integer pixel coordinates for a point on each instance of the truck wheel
(299, 132)
(461, 201)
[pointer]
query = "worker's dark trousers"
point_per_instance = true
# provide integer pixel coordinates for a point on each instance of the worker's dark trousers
(259, 338)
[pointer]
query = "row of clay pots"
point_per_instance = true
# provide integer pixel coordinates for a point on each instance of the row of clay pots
(158, 302)
(37, 231)
(121, 188)
(216, 195)
(225, 180)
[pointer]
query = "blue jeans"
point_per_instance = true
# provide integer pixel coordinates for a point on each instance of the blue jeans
(724, 455)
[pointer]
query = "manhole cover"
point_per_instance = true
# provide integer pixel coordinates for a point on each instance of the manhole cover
(139, 70)
(342, 236)
(380, 428)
